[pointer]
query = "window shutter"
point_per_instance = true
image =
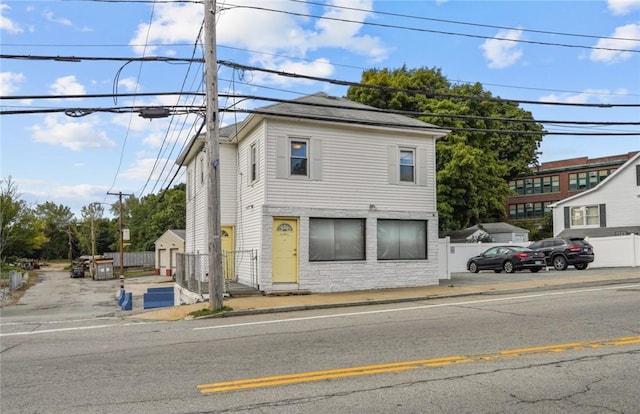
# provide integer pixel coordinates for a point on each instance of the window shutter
(638, 175)
(393, 164)
(603, 215)
(281, 157)
(316, 159)
(421, 179)
(567, 218)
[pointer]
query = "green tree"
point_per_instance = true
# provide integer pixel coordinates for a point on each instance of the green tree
(19, 234)
(56, 226)
(94, 228)
(475, 161)
(155, 214)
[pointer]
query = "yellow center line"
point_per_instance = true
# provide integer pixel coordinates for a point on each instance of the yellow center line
(301, 377)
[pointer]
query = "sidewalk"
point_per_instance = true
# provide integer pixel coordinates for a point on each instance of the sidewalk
(459, 285)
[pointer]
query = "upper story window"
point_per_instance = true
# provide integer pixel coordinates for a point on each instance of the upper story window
(299, 157)
(585, 180)
(407, 165)
(253, 163)
(537, 185)
(201, 171)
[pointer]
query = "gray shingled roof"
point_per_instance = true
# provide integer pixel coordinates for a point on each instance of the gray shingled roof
(322, 107)
(600, 232)
(501, 227)
(180, 233)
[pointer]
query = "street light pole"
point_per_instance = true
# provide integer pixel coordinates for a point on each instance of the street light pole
(216, 279)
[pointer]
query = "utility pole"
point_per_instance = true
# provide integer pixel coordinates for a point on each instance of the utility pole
(119, 194)
(93, 249)
(70, 246)
(216, 278)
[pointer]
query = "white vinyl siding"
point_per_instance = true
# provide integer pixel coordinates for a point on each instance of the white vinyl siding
(355, 172)
(617, 197)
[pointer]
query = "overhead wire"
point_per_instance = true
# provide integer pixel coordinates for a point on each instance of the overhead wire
(128, 130)
(160, 152)
(422, 30)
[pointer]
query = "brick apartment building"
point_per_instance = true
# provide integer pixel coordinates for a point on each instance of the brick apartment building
(556, 180)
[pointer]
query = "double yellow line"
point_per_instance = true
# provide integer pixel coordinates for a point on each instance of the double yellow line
(404, 366)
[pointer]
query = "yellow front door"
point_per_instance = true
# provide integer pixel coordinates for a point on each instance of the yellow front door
(228, 253)
(285, 250)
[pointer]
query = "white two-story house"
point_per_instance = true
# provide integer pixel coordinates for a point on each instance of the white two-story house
(320, 194)
(611, 208)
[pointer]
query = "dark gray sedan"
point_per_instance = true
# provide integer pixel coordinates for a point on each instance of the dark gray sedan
(507, 258)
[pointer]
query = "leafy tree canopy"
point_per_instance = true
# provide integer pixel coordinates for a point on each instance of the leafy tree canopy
(19, 234)
(484, 150)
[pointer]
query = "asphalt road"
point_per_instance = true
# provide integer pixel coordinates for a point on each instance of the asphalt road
(570, 351)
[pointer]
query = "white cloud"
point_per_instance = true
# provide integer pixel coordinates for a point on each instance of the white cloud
(60, 20)
(630, 31)
(67, 85)
(70, 133)
(129, 84)
(10, 82)
(6, 24)
(587, 96)
(621, 7)
(502, 53)
(143, 167)
(173, 23)
(277, 39)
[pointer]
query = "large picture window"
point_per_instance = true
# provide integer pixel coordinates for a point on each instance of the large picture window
(336, 239)
(402, 239)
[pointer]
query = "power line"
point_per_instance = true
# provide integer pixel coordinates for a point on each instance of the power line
(418, 92)
(189, 109)
(462, 23)
(173, 60)
(417, 29)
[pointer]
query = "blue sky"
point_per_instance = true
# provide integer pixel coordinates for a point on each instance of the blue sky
(76, 160)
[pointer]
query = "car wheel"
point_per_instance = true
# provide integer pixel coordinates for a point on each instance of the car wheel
(508, 266)
(560, 263)
(580, 266)
(473, 267)
(535, 269)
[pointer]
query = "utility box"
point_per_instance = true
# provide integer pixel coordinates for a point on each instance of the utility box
(104, 269)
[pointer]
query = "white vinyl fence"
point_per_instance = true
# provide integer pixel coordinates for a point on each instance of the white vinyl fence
(616, 251)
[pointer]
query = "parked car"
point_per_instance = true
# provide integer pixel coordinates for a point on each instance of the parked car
(561, 252)
(507, 258)
(77, 271)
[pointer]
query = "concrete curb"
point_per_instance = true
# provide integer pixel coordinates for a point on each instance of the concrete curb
(296, 308)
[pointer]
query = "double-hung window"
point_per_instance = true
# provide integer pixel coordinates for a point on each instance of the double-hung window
(253, 163)
(402, 239)
(202, 171)
(299, 157)
(407, 165)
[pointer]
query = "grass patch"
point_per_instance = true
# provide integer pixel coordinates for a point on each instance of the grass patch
(207, 311)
